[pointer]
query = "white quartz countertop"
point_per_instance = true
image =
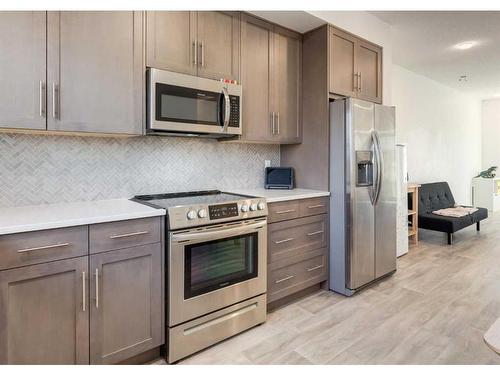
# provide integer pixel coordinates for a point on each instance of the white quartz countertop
(277, 195)
(59, 215)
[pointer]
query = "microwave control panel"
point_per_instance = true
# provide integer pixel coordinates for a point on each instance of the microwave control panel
(234, 118)
(221, 211)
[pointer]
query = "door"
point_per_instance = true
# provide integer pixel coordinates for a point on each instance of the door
(342, 61)
(361, 221)
(23, 70)
(212, 268)
(256, 60)
(171, 41)
(369, 67)
(44, 314)
(287, 76)
(386, 205)
(95, 73)
(126, 303)
(218, 44)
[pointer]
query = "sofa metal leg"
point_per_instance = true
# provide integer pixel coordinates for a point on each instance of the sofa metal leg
(478, 226)
(450, 238)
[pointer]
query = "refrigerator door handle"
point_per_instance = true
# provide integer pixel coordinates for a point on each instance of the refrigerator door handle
(380, 165)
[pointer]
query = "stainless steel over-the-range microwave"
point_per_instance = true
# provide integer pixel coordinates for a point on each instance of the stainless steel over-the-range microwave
(180, 104)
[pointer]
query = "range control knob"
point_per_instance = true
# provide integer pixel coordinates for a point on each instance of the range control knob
(261, 205)
(202, 213)
(244, 207)
(191, 215)
(253, 207)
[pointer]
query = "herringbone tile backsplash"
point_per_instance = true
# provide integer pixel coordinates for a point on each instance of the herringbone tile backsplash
(37, 169)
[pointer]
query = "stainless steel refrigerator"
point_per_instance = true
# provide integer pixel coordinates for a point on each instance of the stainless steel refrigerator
(363, 194)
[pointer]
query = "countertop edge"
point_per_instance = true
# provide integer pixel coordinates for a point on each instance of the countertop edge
(301, 196)
(32, 227)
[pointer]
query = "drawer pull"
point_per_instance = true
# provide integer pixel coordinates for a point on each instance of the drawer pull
(285, 211)
(284, 279)
(315, 233)
(115, 236)
(314, 268)
(43, 247)
(283, 241)
(316, 206)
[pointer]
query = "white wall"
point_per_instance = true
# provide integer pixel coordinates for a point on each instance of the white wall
(491, 133)
(442, 128)
(371, 28)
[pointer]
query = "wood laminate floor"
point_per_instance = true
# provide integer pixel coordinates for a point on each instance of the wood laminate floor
(434, 310)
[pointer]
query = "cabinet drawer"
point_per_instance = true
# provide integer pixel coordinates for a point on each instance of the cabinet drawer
(280, 211)
(28, 248)
(122, 234)
(313, 206)
(294, 237)
(295, 277)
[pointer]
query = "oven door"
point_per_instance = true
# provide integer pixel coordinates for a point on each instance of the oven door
(215, 267)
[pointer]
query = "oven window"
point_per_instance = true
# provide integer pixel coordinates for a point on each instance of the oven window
(216, 264)
(185, 105)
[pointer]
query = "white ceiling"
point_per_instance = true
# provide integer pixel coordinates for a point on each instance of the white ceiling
(299, 21)
(423, 42)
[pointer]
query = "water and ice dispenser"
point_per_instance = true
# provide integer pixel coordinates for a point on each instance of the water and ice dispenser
(364, 163)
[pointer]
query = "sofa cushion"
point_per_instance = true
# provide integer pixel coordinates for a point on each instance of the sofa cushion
(434, 196)
(450, 224)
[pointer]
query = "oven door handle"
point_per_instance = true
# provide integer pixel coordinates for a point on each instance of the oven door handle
(208, 234)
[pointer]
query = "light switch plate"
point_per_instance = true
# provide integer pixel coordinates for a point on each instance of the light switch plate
(267, 163)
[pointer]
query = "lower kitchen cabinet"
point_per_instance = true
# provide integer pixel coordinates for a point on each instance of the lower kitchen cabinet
(126, 303)
(44, 315)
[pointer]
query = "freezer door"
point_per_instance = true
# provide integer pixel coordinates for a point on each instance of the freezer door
(360, 211)
(386, 204)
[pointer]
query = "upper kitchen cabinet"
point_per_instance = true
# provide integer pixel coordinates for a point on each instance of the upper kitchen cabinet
(171, 41)
(22, 70)
(271, 59)
(355, 66)
(369, 63)
(95, 72)
(287, 85)
(206, 44)
(342, 53)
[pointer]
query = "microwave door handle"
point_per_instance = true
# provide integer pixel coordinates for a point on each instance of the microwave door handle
(227, 109)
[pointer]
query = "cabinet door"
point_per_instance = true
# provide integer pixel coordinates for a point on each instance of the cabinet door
(22, 70)
(219, 45)
(256, 58)
(44, 314)
(369, 67)
(126, 292)
(342, 63)
(171, 41)
(287, 69)
(95, 73)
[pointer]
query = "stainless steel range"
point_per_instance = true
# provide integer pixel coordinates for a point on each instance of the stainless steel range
(216, 267)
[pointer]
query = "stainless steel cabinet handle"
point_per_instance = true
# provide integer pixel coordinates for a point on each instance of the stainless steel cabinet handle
(285, 240)
(195, 54)
(97, 288)
(202, 50)
(284, 279)
(355, 82)
(359, 75)
(272, 123)
(55, 100)
(315, 233)
(114, 236)
(314, 268)
(278, 122)
(43, 247)
(83, 290)
(285, 211)
(316, 206)
(42, 99)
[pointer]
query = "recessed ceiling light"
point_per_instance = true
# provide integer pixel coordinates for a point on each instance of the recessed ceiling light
(462, 78)
(465, 45)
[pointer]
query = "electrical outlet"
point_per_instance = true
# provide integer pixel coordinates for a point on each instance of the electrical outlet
(267, 163)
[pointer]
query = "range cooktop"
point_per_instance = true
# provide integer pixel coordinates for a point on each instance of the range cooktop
(196, 208)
